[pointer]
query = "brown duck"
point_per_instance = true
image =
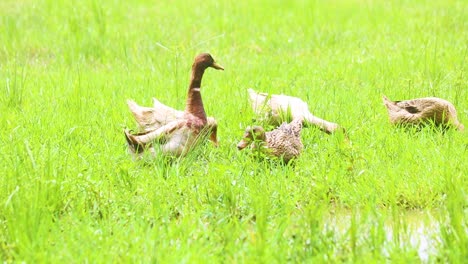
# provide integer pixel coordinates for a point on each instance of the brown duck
(421, 111)
(284, 142)
(175, 132)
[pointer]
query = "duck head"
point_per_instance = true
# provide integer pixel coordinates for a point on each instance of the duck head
(251, 134)
(205, 60)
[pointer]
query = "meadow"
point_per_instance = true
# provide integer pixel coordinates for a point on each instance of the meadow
(70, 192)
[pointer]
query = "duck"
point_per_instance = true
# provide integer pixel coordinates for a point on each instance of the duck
(272, 109)
(283, 142)
(174, 132)
(422, 111)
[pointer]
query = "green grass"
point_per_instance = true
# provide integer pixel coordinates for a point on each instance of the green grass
(69, 191)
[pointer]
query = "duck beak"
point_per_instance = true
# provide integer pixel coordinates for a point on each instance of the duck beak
(217, 66)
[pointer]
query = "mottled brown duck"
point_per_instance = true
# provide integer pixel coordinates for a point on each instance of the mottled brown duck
(284, 142)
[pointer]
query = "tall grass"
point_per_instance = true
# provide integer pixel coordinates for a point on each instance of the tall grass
(71, 193)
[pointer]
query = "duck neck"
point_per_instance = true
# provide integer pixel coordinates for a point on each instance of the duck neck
(194, 103)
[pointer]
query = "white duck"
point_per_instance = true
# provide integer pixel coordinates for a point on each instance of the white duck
(175, 132)
(272, 109)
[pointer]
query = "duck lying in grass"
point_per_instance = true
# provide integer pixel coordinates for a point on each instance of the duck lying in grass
(422, 111)
(175, 132)
(284, 142)
(272, 108)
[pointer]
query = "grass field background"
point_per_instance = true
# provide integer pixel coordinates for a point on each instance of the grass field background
(69, 191)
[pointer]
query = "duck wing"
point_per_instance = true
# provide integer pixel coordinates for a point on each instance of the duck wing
(150, 136)
(296, 126)
(136, 147)
(421, 105)
(151, 118)
(412, 106)
(139, 142)
(292, 129)
(415, 106)
(284, 142)
(407, 111)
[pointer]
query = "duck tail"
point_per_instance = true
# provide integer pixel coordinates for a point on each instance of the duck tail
(391, 105)
(296, 125)
(251, 92)
(132, 105)
(135, 109)
(387, 101)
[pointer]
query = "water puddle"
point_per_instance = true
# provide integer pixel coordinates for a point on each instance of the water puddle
(406, 230)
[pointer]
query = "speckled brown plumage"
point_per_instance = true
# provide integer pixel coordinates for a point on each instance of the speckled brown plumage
(422, 111)
(284, 142)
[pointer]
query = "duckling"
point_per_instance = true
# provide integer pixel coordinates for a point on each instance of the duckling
(272, 107)
(175, 132)
(284, 142)
(421, 111)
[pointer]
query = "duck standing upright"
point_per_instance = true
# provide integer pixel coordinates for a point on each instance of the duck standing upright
(175, 132)
(422, 111)
(283, 143)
